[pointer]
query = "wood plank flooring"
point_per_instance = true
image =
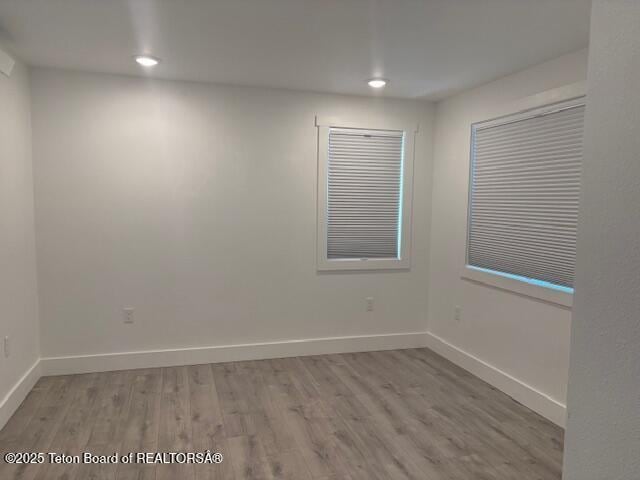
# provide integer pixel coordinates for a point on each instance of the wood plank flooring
(405, 414)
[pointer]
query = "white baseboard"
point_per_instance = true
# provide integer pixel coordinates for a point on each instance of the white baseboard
(516, 389)
(229, 353)
(18, 393)
(520, 391)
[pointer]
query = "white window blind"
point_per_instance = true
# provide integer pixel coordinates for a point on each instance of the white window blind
(525, 186)
(364, 193)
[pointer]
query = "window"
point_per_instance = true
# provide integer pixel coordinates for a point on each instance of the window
(524, 194)
(363, 198)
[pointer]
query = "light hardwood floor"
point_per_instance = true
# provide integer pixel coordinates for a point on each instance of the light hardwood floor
(406, 414)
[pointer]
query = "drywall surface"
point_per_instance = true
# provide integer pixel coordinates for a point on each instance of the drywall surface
(603, 437)
(18, 287)
(523, 338)
(195, 204)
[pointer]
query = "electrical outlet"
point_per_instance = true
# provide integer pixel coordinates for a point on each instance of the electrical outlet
(128, 315)
(7, 352)
(369, 304)
(457, 313)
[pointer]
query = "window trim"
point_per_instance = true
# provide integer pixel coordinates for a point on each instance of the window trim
(403, 262)
(545, 101)
(504, 281)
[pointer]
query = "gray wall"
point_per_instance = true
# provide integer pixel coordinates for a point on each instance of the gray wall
(18, 292)
(603, 438)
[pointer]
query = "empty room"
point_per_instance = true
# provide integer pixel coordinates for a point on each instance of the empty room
(319, 239)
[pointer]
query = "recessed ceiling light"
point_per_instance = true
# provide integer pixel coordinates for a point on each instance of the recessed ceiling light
(377, 82)
(147, 60)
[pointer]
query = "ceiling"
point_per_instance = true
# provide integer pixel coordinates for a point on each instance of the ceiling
(426, 48)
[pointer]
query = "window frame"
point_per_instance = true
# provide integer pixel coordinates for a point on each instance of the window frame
(403, 261)
(547, 102)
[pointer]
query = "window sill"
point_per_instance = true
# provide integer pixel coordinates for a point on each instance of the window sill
(520, 287)
(364, 264)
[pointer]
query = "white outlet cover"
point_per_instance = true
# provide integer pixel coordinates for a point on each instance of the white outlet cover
(128, 315)
(369, 302)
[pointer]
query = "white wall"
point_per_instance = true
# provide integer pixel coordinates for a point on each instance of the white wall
(603, 436)
(196, 205)
(517, 343)
(18, 288)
